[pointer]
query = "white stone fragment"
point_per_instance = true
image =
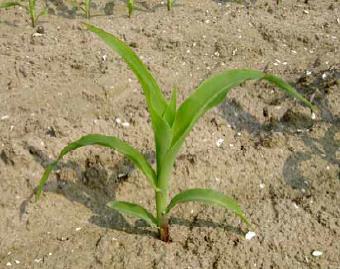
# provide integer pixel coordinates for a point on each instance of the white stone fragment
(250, 235)
(317, 253)
(308, 73)
(5, 117)
(306, 11)
(262, 186)
(37, 260)
(78, 229)
(324, 76)
(125, 124)
(17, 262)
(37, 35)
(118, 121)
(219, 142)
(313, 116)
(8, 264)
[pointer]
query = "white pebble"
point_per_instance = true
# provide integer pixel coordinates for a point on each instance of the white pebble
(219, 142)
(262, 186)
(50, 254)
(313, 116)
(78, 229)
(104, 58)
(37, 260)
(118, 120)
(8, 264)
(324, 76)
(317, 253)
(125, 124)
(306, 11)
(4, 117)
(17, 262)
(250, 235)
(308, 73)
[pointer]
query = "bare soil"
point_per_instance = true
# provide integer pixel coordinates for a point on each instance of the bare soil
(282, 166)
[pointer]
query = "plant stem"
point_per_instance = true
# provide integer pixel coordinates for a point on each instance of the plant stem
(163, 223)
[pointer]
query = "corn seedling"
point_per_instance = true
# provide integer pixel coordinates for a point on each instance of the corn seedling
(83, 6)
(131, 5)
(171, 125)
(30, 8)
(170, 3)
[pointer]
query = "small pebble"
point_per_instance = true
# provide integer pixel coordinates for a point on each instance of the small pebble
(125, 124)
(262, 186)
(17, 262)
(219, 142)
(250, 235)
(118, 120)
(8, 264)
(5, 117)
(317, 253)
(37, 260)
(40, 29)
(78, 229)
(313, 116)
(324, 76)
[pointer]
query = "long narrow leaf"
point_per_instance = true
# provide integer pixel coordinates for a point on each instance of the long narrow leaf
(210, 197)
(212, 91)
(154, 97)
(134, 210)
(107, 141)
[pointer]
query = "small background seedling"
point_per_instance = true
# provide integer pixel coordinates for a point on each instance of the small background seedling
(30, 8)
(171, 125)
(131, 5)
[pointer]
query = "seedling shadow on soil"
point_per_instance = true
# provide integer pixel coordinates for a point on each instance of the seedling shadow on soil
(292, 123)
(94, 193)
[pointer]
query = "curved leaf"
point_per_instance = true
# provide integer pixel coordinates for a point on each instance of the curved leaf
(154, 97)
(213, 91)
(107, 141)
(134, 210)
(210, 197)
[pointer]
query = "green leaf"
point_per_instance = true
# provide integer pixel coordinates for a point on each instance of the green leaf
(154, 97)
(155, 100)
(170, 111)
(210, 197)
(107, 141)
(211, 93)
(10, 4)
(134, 210)
(281, 84)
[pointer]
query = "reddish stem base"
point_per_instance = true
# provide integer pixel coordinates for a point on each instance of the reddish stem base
(164, 233)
